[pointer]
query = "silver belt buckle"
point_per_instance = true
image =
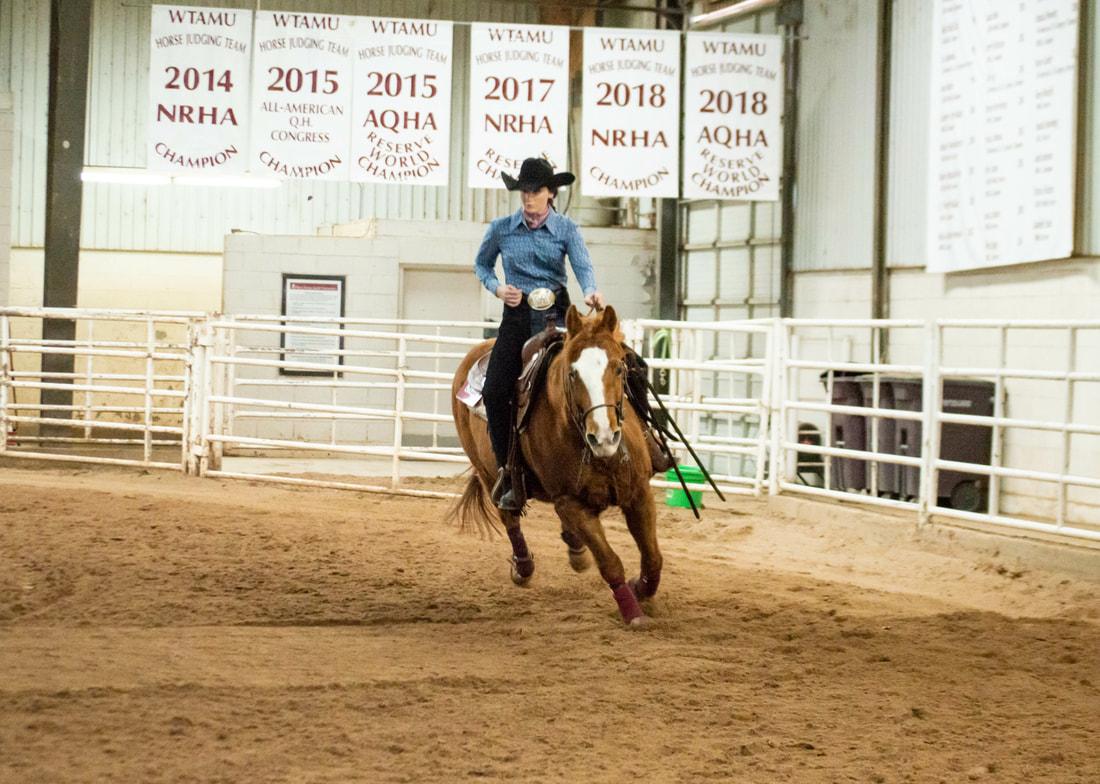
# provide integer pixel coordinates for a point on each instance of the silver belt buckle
(541, 299)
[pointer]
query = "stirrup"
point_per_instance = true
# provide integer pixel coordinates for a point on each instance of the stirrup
(502, 495)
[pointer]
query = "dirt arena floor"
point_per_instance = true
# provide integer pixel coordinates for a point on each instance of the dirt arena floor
(155, 628)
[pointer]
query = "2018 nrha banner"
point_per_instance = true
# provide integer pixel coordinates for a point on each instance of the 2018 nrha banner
(519, 98)
(198, 89)
(630, 145)
(401, 117)
(733, 103)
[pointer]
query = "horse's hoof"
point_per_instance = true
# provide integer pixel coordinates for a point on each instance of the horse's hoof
(643, 589)
(522, 570)
(580, 560)
(639, 623)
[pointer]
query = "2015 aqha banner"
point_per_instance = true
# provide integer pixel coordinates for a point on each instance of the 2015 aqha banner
(733, 103)
(631, 113)
(519, 98)
(401, 122)
(301, 97)
(198, 89)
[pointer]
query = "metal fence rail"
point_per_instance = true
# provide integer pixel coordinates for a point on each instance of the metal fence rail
(763, 403)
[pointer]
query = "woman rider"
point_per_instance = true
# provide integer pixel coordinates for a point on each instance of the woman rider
(532, 243)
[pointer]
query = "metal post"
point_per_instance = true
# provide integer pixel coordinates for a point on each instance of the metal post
(790, 16)
(150, 370)
(5, 380)
(998, 431)
(70, 26)
(89, 377)
(399, 413)
(1071, 362)
(931, 394)
(200, 407)
(880, 281)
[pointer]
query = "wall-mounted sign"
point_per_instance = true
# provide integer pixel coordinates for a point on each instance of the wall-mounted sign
(519, 99)
(301, 96)
(198, 89)
(630, 143)
(401, 120)
(733, 103)
(306, 297)
(1003, 116)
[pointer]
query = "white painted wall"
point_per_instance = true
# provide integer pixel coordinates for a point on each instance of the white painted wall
(1049, 290)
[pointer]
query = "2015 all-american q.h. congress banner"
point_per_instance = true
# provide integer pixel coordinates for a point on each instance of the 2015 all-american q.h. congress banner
(630, 144)
(198, 89)
(519, 99)
(301, 96)
(401, 118)
(733, 103)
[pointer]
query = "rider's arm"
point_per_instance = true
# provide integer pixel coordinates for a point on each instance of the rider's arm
(580, 260)
(486, 261)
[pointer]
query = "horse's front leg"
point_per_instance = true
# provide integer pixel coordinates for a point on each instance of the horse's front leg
(641, 519)
(523, 563)
(585, 522)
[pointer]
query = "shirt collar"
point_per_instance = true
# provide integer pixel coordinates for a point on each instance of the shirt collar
(553, 223)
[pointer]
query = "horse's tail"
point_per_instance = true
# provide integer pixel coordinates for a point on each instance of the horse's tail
(473, 510)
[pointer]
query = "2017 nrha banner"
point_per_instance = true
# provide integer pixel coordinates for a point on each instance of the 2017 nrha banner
(519, 98)
(302, 76)
(630, 144)
(198, 89)
(733, 102)
(401, 118)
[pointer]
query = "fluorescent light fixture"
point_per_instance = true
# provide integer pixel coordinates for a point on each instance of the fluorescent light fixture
(132, 176)
(226, 181)
(123, 176)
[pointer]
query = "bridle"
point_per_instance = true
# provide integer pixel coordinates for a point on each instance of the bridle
(580, 421)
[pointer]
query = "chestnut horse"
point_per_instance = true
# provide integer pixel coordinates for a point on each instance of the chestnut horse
(585, 451)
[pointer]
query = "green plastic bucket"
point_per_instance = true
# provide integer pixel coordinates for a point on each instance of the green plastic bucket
(675, 496)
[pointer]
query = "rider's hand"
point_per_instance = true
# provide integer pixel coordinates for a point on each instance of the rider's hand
(510, 294)
(595, 300)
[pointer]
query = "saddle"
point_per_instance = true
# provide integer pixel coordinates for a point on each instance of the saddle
(536, 352)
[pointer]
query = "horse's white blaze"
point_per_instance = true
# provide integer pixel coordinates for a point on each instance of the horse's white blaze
(590, 366)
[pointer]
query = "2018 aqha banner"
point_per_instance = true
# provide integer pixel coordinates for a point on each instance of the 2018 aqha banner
(198, 89)
(630, 143)
(301, 97)
(733, 103)
(401, 121)
(519, 99)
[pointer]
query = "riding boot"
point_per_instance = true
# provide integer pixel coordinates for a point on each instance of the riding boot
(503, 495)
(658, 458)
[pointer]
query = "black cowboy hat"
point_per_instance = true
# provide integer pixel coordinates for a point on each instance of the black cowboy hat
(535, 173)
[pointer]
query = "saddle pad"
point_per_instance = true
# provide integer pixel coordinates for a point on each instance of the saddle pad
(470, 393)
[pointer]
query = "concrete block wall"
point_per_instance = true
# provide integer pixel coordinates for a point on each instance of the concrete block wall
(7, 130)
(373, 255)
(1055, 290)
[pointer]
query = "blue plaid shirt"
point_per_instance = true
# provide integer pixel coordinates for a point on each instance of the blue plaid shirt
(534, 259)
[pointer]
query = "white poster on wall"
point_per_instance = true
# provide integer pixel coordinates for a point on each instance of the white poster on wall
(630, 143)
(198, 89)
(301, 96)
(1003, 118)
(307, 297)
(401, 120)
(519, 99)
(733, 105)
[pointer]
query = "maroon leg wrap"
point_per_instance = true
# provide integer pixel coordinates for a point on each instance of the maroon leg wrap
(628, 604)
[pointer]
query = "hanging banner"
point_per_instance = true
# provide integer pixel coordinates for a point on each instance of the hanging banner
(401, 120)
(198, 89)
(519, 99)
(1003, 132)
(631, 113)
(301, 96)
(733, 102)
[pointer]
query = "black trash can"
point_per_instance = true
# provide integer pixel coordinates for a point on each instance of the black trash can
(908, 396)
(888, 473)
(848, 432)
(966, 443)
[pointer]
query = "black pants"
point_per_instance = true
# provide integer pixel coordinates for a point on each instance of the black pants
(506, 363)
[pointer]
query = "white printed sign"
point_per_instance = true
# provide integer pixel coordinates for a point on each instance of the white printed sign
(1003, 120)
(733, 104)
(631, 113)
(519, 99)
(198, 89)
(312, 297)
(401, 121)
(301, 96)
